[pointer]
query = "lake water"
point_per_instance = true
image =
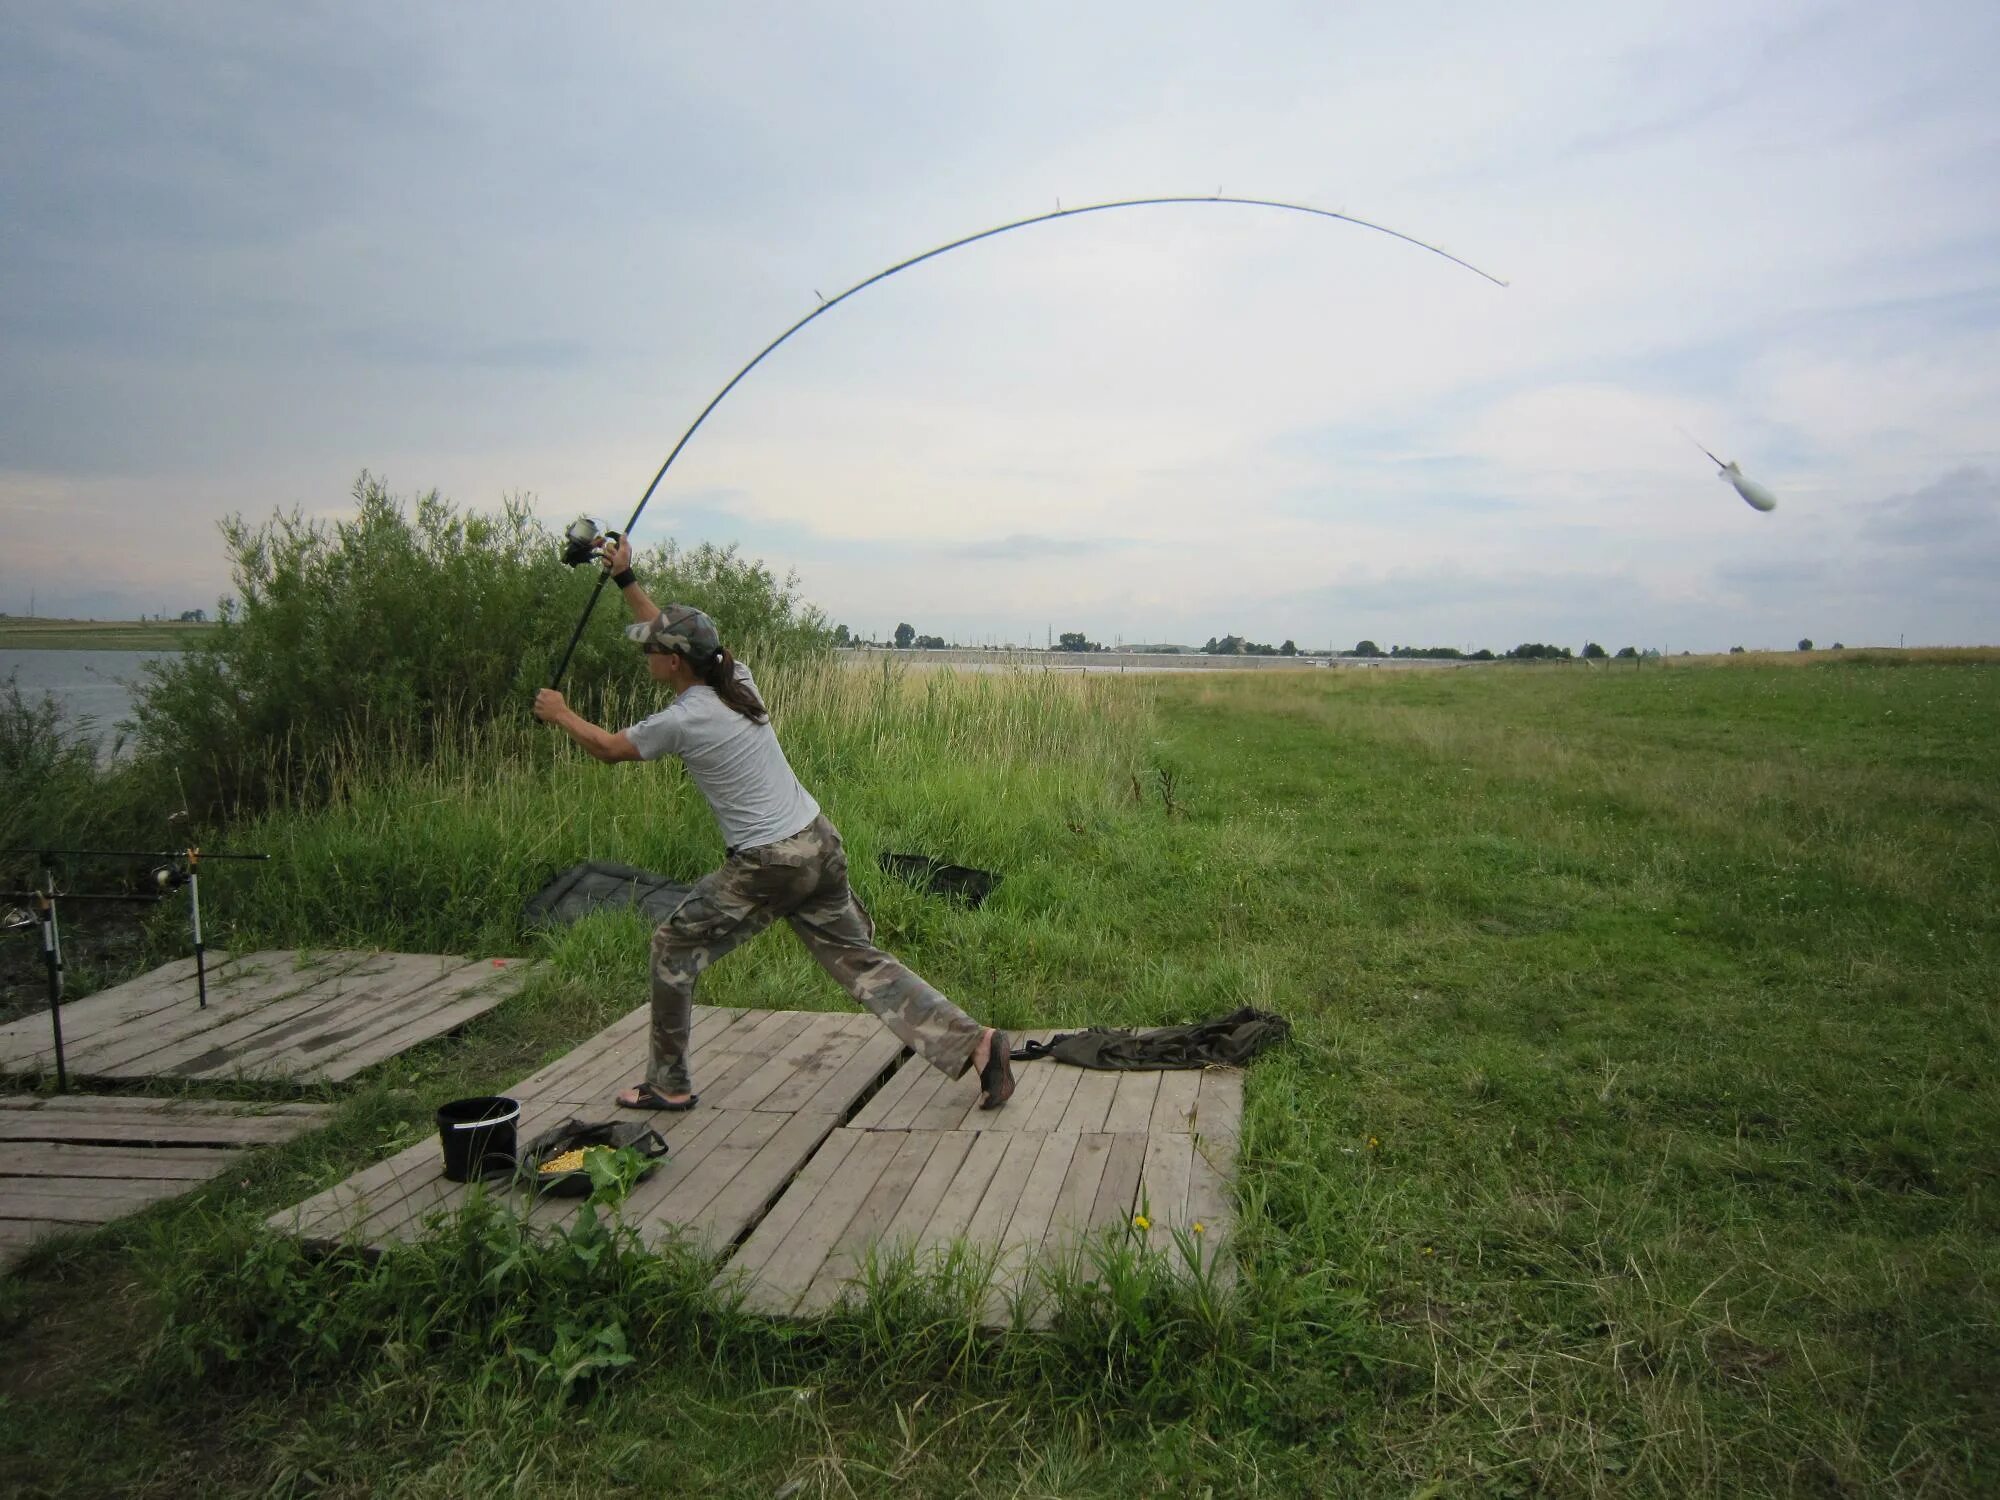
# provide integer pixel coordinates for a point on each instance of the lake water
(93, 687)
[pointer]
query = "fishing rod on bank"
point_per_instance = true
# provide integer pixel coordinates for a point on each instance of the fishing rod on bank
(582, 539)
(179, 869)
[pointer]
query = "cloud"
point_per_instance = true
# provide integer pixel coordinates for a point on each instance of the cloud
(1024, 548)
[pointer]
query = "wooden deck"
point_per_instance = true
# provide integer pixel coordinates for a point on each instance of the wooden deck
(773, 1085)
(1075, 1155)
(818, 1141)
(77, 1161)
(276, 1016)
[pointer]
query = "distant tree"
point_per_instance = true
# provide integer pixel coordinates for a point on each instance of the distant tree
(1839, 646)
(1805, 643)
(1593, 652)
(841, 637)
(1228, 645)
(1735, 650)
(904, 635)
(1536, 651)
(1482, 654)
(1628, 653)
(930, 643)
(1288, 649)
(194, 616)
(1074, 640)
(1366, 648)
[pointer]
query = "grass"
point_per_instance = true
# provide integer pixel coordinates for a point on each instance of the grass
(19, 634)
(1636, 1137)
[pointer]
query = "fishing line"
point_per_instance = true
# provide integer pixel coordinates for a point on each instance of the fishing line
(828, 304)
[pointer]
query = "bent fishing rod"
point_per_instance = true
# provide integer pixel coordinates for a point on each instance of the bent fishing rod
(581, 545)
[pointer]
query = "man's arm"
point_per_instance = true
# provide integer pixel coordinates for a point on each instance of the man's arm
(601, 743)
(617, 558)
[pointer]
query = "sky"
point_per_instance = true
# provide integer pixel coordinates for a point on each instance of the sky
(248, 251)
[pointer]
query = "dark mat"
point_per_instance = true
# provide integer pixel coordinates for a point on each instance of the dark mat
(960, 883)
(597, 886)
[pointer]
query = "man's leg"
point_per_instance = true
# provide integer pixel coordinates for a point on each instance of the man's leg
(721, 912)
(837, 930)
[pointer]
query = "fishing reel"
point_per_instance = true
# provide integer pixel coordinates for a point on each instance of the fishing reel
(583, 541)
(175, 874)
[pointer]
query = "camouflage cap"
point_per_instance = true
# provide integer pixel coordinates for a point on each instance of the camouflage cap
(677, 627)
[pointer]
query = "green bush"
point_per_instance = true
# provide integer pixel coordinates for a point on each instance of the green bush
(402, 626)
(54, 791)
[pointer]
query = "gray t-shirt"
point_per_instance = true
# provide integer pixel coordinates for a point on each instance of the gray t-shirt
(738, 765)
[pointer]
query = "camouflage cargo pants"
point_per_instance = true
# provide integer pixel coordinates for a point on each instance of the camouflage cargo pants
(804, 880)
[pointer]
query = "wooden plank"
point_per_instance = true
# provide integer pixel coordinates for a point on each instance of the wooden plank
(208, 1040)
(1069, 1219)
(987, 1228)
(1090, 1102)
(762, 1179)
(1013, 1290)
(256, 986)
(849, 1253)
(1173, 1110)
(878, 1052)
(790, 1209)
(680, 1197)
(929, 1084)
(164, 1130)
(790, 1268)
(844, 1037)
(1219, 1109)
(821, 1031)
(1211, 1205)
(445, 1004)
(948, 1152)
(961, 1198)
(1163, 1188)
(96, 1200)
(912, 1071)
(1132, 1103)
(153, 1163)
(1118, 1189)
(1046, 1115)
(153, 1105)
(111, 1010)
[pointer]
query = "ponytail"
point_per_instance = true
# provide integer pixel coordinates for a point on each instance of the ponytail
(720, 674)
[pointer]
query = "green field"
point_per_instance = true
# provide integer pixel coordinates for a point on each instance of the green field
(19, 634)
(1637, 1137)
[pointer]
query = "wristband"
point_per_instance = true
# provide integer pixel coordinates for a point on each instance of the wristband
(626, 579)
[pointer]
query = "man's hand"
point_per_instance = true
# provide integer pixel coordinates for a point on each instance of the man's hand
(549, 705)
(616, 556)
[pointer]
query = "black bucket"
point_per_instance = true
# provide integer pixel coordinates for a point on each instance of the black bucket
(476, 1132)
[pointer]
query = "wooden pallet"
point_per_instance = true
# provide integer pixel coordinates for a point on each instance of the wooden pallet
(78, 1161)
(819, 1143)
(1075, 1156)
(274, 1016)
(773, 1085)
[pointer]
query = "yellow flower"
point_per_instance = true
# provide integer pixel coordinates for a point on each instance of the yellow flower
(1429, 1251)
(1373, 1142)
(1140, 1221)
(1199, 1226)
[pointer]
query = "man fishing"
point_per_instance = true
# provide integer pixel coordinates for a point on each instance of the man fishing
(784, 858)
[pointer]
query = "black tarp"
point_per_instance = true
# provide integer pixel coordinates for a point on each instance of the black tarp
(598, 886)
(1234, 1040)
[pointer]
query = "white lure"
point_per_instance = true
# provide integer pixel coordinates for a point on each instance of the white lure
(1754, 494)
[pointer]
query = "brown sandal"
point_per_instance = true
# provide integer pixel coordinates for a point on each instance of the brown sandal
(996, 1079)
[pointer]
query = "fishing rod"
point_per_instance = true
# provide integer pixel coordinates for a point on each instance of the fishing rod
(582, 538)
(45, 899)
(181, 870)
